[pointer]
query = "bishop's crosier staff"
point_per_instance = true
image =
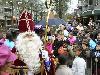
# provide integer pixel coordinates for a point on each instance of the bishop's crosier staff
(48, 6)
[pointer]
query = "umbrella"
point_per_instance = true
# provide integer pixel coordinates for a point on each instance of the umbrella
(55, 21)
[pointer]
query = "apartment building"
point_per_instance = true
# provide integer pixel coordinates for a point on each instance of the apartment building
(8, 14)
(89, 9)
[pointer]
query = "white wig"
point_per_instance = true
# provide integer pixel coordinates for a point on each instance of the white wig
(28, 45)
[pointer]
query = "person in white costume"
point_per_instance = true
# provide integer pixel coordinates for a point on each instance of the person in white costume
(28, 44)
(79, 64)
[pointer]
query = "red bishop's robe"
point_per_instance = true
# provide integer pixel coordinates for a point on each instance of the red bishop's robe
(18, 62)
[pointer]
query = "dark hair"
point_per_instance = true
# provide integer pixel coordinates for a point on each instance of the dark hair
(67, 41)
(71, 33)
(9, 36)
(14, 34)
(86, 42)
(78, 48)
(98, 43)
(93, 36)
(62, 59)
(64, 42)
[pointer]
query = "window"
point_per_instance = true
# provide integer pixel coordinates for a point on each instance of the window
(90, 2)
(7, 9)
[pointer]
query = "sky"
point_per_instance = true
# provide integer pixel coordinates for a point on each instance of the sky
(72, 5)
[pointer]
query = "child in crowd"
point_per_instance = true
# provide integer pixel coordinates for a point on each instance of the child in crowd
(79, 64)
(71, 39)
(48, 46)
(63, 49)
(9, 41)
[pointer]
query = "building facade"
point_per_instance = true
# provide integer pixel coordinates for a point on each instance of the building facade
(10, 11)
(8, 14)
(89, 9)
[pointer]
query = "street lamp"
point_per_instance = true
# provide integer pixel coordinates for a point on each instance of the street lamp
(5, 17)
(31, 6)
(12, 7)
(36, 11)
(6, 14)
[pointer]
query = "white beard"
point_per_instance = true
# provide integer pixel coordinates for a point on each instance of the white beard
(28, 48)
(30, 73)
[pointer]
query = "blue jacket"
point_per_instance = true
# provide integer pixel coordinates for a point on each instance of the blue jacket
(92, 44)
(10, 44)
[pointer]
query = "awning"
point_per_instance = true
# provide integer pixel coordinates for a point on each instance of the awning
(97, 11)
(87, 13)
(54, 21)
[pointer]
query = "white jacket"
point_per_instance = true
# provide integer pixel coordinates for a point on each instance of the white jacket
(79, 66)
(63, 70)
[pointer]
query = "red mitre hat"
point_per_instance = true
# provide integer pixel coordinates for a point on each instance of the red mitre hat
(26, 22)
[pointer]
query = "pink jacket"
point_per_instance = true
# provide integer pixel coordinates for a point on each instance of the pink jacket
(72, 40)
(49, 48)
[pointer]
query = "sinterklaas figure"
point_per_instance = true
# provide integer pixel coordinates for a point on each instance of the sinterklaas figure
(28, 44)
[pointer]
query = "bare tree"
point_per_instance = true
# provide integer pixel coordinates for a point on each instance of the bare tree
(61, 7)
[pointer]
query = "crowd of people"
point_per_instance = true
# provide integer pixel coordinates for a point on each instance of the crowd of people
(70, 50)
(81, 47)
